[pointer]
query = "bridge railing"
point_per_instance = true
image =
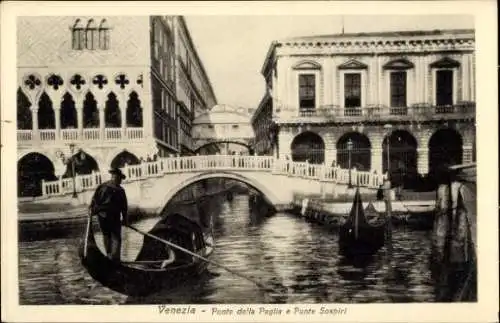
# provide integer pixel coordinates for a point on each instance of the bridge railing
(171, 165)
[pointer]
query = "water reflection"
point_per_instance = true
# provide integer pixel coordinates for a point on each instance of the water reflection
(299, 260)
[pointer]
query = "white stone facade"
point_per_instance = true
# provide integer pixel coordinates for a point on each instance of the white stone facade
(220, 125)
(428, 62)
(105, 85)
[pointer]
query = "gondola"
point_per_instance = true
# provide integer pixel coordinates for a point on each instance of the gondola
(357, 237)
(156, 266)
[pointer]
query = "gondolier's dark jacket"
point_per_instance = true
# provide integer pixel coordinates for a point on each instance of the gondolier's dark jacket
(109, 200)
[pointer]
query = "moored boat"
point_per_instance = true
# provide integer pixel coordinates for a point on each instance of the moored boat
(157, 266)
(357, 237)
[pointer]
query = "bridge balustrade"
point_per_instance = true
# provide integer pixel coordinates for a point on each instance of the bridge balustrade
(172, 165)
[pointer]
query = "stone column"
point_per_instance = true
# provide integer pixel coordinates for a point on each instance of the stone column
(467, 154)
(122, 104)
(465, 78)
(79, 117)
(376, 159)
(102, 123)
(57, 115)
(379, 80)
(423, 160)
(34, 120)
(376, 137)
(472, 78)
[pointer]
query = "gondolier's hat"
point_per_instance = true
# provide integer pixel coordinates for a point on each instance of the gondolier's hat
(118, 172)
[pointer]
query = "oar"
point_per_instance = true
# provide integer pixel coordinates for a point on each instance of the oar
(260, 285)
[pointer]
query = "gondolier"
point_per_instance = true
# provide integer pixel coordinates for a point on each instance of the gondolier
(109, 203)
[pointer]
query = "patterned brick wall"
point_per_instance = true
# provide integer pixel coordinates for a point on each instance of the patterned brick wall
(47, 41)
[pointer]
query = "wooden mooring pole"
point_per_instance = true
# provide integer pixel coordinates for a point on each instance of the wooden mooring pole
(388, 214)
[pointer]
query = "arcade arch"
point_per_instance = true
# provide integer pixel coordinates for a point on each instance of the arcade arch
(308, 146)
(360, 153)
(32, 168)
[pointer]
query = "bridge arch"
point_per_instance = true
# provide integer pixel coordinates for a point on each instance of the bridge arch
(256, 184)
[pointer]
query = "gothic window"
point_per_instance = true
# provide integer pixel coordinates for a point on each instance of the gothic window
(134, 111)
(24, 116)
(91, 35)
(90, 112)
(78, 35)
(104, 35)
(46, 114)
(352, 90)
(307, 91)
(398, 89)
(112, 113)
(68, 112)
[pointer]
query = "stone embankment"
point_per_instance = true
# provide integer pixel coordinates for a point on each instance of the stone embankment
(334, 212)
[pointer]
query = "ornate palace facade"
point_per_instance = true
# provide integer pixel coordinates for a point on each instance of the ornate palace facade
(102, 92)
(404, 96)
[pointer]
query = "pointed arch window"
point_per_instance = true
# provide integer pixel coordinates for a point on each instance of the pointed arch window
(104, 35)
(91, 35)
(77, 35)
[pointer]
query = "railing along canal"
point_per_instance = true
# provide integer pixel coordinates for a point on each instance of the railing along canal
(175, 165)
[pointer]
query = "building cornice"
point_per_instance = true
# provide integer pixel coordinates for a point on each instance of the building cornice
(400, 45)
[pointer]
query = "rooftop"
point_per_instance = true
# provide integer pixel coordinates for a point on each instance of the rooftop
(408, 33)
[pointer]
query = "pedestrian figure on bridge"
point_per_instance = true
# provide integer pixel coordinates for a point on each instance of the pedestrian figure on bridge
(108, 204)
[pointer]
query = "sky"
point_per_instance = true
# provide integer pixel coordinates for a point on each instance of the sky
(233, 48)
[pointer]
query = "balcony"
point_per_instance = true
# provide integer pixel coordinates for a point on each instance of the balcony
(417, 112)
(26, 137)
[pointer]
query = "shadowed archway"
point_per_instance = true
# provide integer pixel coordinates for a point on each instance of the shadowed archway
(360, 153)
(84, 164)
(308, 146)
(24, 117)
(123, 158)
(31, 170)
(402, 156)
(445, 149)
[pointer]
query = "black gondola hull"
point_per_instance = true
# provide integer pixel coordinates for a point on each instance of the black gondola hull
(133, 281)
(358, 237)
(368, 241)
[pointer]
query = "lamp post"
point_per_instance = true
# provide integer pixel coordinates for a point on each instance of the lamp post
(72, 150)
(349, 149)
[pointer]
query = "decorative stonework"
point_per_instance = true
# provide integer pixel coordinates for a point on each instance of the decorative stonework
(100, 81)
(55, 81)
(352, 64)
(32, 82)
(399, 64)
(307, 65)
(445, 62)
(77, 82)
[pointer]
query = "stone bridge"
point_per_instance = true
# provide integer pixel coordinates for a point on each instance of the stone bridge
(150, 186)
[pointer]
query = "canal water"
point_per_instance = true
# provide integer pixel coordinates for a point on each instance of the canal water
(298, 258)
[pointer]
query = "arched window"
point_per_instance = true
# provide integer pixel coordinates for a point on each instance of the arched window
(77, 35)
(24, 115)
(92, 35)
(134, 111)
(104, 35)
